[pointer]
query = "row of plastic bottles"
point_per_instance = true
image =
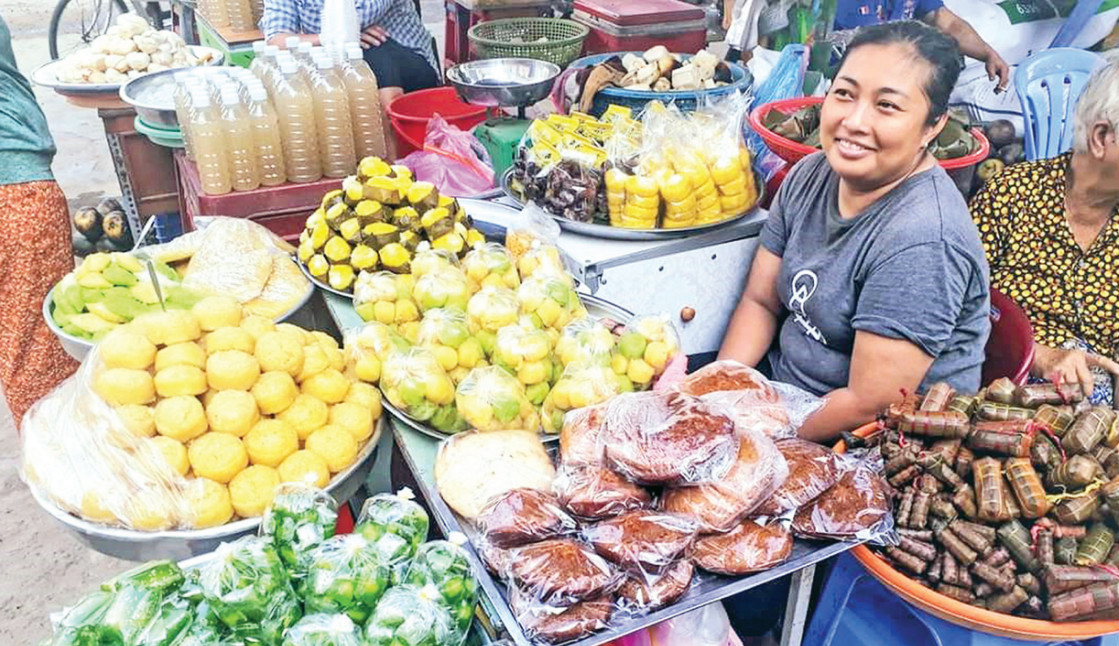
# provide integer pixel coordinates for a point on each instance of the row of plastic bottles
(297, 115)
(240, 15)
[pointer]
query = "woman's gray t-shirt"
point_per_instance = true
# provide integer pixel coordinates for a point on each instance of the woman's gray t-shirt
(909, 267)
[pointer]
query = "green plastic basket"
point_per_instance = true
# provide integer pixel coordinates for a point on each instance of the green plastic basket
(554, 40)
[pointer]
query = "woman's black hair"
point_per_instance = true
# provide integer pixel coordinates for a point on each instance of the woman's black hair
(939, 50)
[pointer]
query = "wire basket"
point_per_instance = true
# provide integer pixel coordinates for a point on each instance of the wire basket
(554, 40)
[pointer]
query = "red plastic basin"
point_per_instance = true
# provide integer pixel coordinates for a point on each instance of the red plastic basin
(411, 112)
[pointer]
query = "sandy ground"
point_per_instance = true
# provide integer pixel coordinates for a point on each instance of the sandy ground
(44, 567)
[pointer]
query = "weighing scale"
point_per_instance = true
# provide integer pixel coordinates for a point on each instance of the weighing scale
(503, 83)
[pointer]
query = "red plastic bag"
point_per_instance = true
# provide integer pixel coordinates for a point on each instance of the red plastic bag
(453, 160)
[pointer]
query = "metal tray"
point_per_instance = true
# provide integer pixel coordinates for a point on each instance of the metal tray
(183, 544)
(47, 76)
(321, 285)
(619, 233)
(595, 307)
(705, 588)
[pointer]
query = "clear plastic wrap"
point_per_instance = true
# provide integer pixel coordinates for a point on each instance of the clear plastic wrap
(445, 566)
(299, 519)
(445, 287)
(665, 438)
(559, 624)
(718, 506)
(446, 333)
(472, 468)
(562, 571)
(857, 507)
(594, 492)
(397, 525)
(756, 403)
(410, 616)
(580, 385)
(491, 309)
(550, 302)
(323, 630)
(415, 383)
(813, 469)
(585, 340)
(643, 591)
(369, 346)
(428, 261)
(386, 297)
(490, 264)
(749, 547)
(646, 347)
(642, 541)
(543, 261)
(534, 227)
(526, 352)
(579, 437)
(345, 574)
(239, 258)
(490, 399)
(523, 516)
(247, 588)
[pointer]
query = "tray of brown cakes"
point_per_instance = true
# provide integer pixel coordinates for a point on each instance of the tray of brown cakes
(654, 503)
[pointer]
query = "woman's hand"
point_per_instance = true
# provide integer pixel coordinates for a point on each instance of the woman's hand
(373, 36)
(1069, 366)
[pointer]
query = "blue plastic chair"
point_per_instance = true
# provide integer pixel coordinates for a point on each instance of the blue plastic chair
(1048, 84)
(854, 608)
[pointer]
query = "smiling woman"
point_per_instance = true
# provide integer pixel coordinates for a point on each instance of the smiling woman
(871, 277)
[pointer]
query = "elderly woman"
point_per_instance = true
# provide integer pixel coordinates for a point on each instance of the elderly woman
(1051, 232)
(870, 275)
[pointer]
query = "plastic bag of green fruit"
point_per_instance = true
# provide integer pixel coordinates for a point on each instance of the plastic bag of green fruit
(428, 260)
(446, 332)
(368, 347)
(585, 340)
(415, 383)
(385, 297)
(248, 589)
(345, 574)
(300, 518)
(396, 525)
(526, 353)
(491, 399)
(490, 264)
(550, 302)
(410, 616)
(446, 288)
(444, 566)
(491, 309)
(323, 630)
(644, 350)
(580, 385)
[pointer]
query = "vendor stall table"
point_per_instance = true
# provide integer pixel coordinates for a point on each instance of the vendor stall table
(145, 171)
(236, 45)
(464, 14)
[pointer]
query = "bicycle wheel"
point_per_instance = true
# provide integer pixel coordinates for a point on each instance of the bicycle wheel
(74, 23)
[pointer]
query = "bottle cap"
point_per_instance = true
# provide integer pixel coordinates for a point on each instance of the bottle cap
(258, 93)
(291, 42)
(200, 99)
(229, 96)
(258, 47)
(324, 62)
(304, 47)
(287, 66)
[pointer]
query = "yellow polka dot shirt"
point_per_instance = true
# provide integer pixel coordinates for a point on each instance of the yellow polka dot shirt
(1066, 292)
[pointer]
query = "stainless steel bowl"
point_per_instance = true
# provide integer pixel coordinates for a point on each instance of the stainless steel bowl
(153, 95)
(503, 82)
(183, 544)
(46, 75)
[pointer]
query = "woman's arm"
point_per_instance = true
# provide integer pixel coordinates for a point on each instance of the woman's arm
(754, 324)
(881, 368)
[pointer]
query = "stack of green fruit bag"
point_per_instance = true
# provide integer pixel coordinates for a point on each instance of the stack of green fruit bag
(345, 574)
(396, 525)
(300, 519)
(323, 630)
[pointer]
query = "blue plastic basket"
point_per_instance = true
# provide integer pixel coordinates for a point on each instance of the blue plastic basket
(685, 100)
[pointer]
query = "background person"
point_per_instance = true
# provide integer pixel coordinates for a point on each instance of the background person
(1051, 232)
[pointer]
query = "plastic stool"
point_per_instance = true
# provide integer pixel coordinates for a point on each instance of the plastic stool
(854, 608)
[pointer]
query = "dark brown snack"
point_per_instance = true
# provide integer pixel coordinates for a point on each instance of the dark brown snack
(962, 595)
(813, 469)
(562, 571)
(579, 438)
(906, 560)
(642, 540)
(558, 624)
(943, 424)
(1085, 602)
(594, 492)
(854, 505)
(750, 547)
(719, 506)
(1006, 603)
(523, 516)
(665, 438)
(1062, 578)
(937, 398)
(1088, 430)
(496, 559)
(649, 591)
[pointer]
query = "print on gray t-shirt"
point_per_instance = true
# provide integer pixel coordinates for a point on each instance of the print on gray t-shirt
(909, 267)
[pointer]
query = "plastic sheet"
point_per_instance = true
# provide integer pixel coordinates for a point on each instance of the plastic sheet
(654, 438)
(533, 229)
(452, 159)
(558, 624)
(523, 516)
(346, 575)
(579, 437)
(719, 505)
(299, 519)
(593, 492)
(561, 572)
(322, 630)
(644, 591)
(857, 507)
(749, 547)
(642, 541)
(490, 399)
(813, 469)
(775, 409)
